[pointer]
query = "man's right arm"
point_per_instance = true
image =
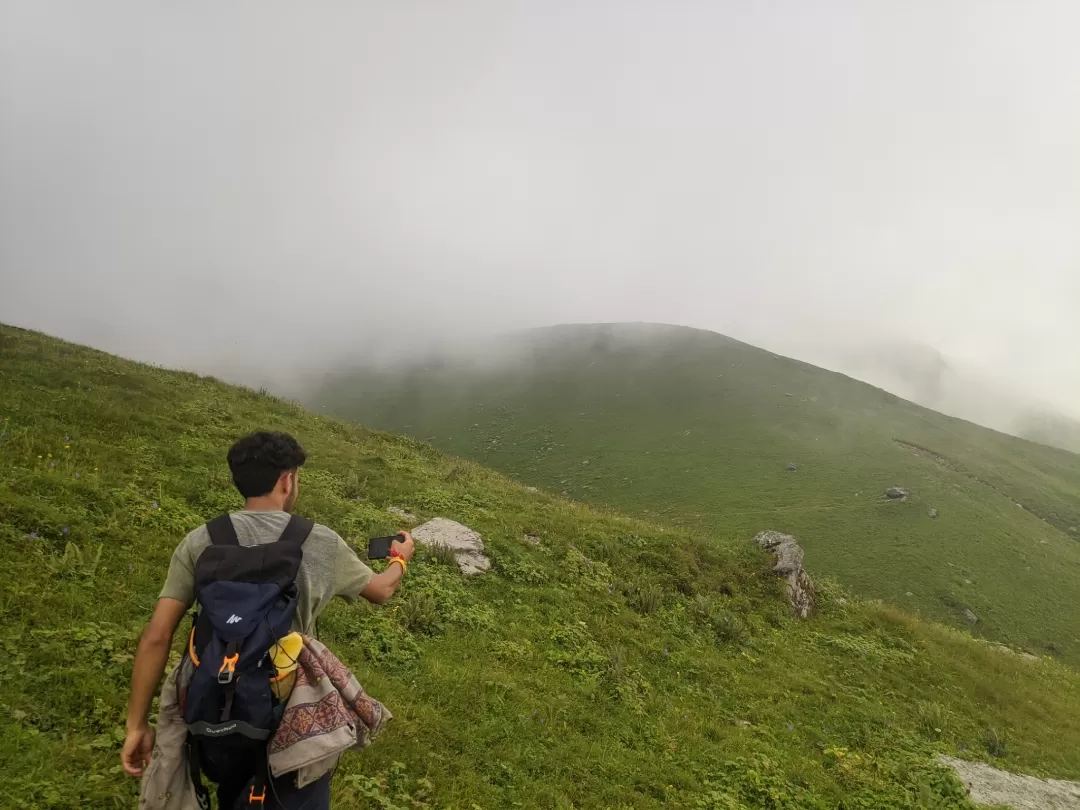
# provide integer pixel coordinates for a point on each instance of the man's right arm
(376, 588)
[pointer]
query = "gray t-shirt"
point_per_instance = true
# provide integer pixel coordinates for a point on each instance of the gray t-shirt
(329, 568)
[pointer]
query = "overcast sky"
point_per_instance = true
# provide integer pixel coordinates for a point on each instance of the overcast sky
(249, 184)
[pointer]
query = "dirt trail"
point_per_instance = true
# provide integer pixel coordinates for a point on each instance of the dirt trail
(988, 785)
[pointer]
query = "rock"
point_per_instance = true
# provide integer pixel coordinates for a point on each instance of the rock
(531, 489)
(467, 545)
(397, 511)
(989, 786)
(792, 467)
(531, 539)
(743, 723)
(971, 617)
(1074, 530)
(789, 558)
(909, 593)
(897, 493)
(933, 513)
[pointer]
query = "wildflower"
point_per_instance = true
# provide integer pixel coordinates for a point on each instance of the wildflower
(52, 464)
(67, 446)
(131, 566)
(153, 505)
(48, 455)
(790, 727)
(65, 530)
(33, 535)
(76, 476)
(67, 438)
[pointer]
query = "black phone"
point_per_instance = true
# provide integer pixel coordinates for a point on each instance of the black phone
(379, 547)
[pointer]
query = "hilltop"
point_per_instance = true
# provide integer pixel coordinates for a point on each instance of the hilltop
(607, 662)
(699, 430)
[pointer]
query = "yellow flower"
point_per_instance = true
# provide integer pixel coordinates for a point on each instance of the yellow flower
(67, 446)
(49, 455)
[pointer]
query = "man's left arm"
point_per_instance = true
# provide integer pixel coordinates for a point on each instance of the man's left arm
(150, 660)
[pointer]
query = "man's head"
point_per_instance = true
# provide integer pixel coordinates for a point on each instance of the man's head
(267, 466)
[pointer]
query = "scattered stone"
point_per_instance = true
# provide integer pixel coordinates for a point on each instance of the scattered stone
(397, 511)
(792, 467)
(585, 463)
(1074, 530)
(1001, 648)
(743, 723)
(467, 545)
(789, 558)
(971, 617)
(933, 513)
(897, 493)
(531, 539)
(531, 489)
(967, 581)
(990, 786)
(909, 593)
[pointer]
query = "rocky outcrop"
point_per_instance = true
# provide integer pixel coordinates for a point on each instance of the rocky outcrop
(789, 558)
(467, 545)
(970, 616)
(897, 493)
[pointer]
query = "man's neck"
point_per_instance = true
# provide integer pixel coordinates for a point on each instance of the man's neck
(265, 503)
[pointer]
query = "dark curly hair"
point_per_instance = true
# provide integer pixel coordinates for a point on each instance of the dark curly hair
(257, 461)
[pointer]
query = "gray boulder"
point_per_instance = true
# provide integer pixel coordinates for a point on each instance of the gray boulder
(971, 617)
(792, 468)
(404, 514)
(467, 545)
(897, 493)
(933, 513)
(789, 558)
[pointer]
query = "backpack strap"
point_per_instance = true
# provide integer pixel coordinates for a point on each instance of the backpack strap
(297, 531)
(222, 531)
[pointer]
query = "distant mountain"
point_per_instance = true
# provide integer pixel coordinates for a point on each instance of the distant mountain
(697, 429)
(925, 376)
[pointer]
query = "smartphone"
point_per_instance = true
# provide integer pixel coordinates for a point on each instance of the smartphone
(379, 547)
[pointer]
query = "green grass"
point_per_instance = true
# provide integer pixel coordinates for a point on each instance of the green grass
(617, 664)
(697, 430)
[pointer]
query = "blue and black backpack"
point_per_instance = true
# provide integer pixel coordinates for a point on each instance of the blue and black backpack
(247, 600)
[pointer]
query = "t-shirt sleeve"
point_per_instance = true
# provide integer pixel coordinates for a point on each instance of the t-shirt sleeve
(180, 581)
(351, 574)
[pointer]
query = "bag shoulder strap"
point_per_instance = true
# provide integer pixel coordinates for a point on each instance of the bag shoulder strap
(222, 531)
(297, 531)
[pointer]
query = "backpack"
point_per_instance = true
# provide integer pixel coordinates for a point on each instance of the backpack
(247, 600)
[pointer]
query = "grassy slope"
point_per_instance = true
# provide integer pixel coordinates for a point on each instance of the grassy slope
(699, 429)
(618, 664)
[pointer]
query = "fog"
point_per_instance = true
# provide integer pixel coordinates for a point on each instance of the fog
(256, 188)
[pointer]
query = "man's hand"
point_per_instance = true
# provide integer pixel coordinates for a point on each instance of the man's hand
(138, 746)
(404, 547)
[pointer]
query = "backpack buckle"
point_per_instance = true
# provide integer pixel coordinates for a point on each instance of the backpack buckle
(228, 668)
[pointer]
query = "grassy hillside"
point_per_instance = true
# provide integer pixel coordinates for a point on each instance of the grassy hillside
(698, 430)
(616, 664)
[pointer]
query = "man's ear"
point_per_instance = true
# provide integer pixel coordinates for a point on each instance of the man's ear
(287, 482)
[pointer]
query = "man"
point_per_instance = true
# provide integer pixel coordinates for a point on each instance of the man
(266, 469)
